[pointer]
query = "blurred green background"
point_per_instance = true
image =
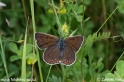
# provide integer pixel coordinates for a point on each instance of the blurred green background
(97, 55)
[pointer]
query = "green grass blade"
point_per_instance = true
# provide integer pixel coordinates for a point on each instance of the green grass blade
(48, 73)
(57, 20)
(33, 22)
(75, 73)
(117, 61)
(107, 19)
(23, 72)
(3, 58)
(32, 14)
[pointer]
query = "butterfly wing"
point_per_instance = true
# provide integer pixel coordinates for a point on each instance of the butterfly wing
(68, 57)
(74, 42)
(51, 55)
(45, 40)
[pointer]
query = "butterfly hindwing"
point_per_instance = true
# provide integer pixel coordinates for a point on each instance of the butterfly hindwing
(51, 55)
(74, 42)
(68, 57)
(45, 40)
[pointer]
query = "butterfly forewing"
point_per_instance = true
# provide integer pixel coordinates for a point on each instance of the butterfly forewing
(68, 57)
(45, 40)
(51, 55)
(74, 42)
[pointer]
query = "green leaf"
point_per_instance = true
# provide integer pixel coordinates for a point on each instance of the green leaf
(87, 2)
(20, 53)
(13, 47)
(30, 55)
(73, 32)
(13, 58)
(99, 62)
(81, 9)
(100, 65)
(109, 77)
(13, 69)
(68, 9)
(74, 7)
(55, 79)
(86, 19)
(97, 36)
(120, 68)
(79, 18)
(28, 49)
(117, 75)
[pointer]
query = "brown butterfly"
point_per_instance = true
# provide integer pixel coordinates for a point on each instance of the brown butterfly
(58, 51)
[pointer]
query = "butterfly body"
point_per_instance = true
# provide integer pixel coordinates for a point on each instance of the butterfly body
(58, 50)
(61, 45)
